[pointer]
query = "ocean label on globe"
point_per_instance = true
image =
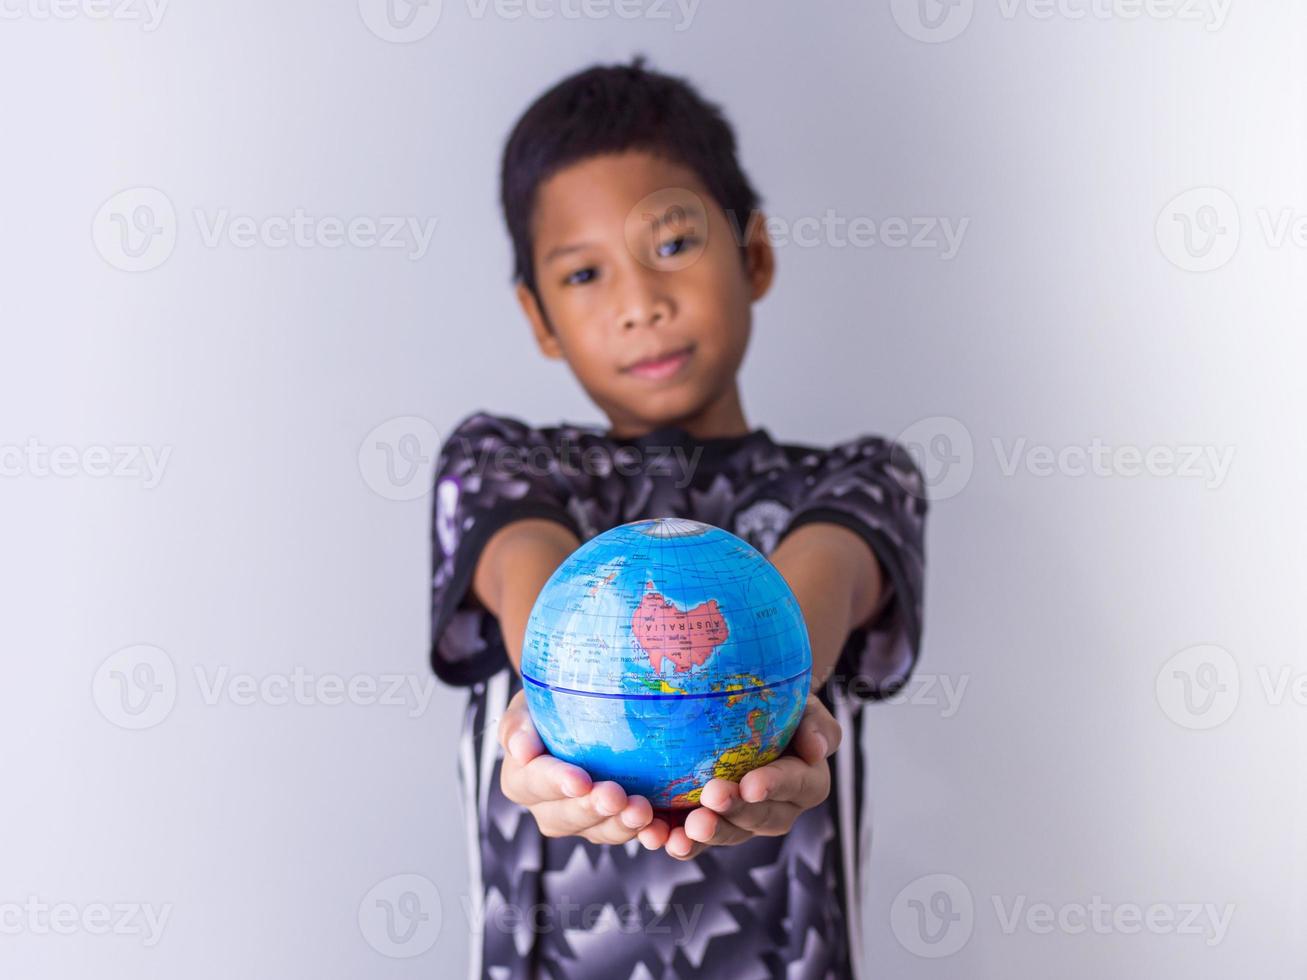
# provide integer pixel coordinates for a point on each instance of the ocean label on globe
(665, 652)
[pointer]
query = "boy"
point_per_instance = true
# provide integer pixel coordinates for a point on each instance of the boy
(638, 254)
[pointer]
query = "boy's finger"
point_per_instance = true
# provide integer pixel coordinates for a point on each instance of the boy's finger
(707, 827)
(818, 735)
(811, 744)
(680, 846)
(605, 802)
(638, 813)
(655, 835)
(721, 796)
(515, 716)
(523, 745)
(765, 819)
(608, 799)
(613, 830)
(543, 779)
(788, 779)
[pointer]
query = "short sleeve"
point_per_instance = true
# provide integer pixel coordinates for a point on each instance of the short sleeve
(492, 470)
(871, 486)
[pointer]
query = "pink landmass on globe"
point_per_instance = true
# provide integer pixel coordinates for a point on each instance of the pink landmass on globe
(686, 637)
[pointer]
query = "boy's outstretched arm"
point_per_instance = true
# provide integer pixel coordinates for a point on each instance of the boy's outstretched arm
(513, 568)
(839, 585)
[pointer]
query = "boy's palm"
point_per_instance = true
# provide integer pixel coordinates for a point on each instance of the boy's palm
(767, 800)
(562, 797)
(565, 801)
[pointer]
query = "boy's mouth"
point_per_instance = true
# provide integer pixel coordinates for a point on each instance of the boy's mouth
(660, 366)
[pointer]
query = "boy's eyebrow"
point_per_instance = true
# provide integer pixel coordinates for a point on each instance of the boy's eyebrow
(686, 211)
(560, 250)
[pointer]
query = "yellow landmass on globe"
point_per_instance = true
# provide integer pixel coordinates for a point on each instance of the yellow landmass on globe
(737, 760)
(741, 685)
(660, 686)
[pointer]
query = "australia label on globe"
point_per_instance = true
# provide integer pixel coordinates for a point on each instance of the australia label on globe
(665, 652)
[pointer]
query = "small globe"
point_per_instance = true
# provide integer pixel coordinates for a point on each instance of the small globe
(663, 653)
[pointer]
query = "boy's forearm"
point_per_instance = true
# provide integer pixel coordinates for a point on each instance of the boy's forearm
(838, 583)
(513, 568)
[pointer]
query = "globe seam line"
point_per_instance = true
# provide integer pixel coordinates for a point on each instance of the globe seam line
(668, 697)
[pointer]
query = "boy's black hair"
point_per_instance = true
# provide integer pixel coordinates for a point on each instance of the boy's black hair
(610, 109)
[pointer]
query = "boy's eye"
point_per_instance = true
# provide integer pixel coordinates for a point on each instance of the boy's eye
(677, 245)
(586, 275)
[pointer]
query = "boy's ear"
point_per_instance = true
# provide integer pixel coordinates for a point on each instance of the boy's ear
(759, 258)
(545, 337)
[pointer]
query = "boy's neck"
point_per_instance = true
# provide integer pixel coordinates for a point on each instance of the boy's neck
(721, 418)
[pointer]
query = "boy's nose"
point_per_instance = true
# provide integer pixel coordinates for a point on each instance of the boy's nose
(643, 303)
(655, 316)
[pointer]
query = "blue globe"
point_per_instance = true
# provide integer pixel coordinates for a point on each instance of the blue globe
(663, 653)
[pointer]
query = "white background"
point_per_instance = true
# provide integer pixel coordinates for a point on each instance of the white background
(1071, 313)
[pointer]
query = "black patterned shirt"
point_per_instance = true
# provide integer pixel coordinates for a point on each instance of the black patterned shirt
(785, 906)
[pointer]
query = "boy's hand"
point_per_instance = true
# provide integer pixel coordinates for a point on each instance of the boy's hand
(767, 800)
(562, 797)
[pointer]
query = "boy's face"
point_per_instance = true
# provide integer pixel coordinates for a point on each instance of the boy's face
(643, 289)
